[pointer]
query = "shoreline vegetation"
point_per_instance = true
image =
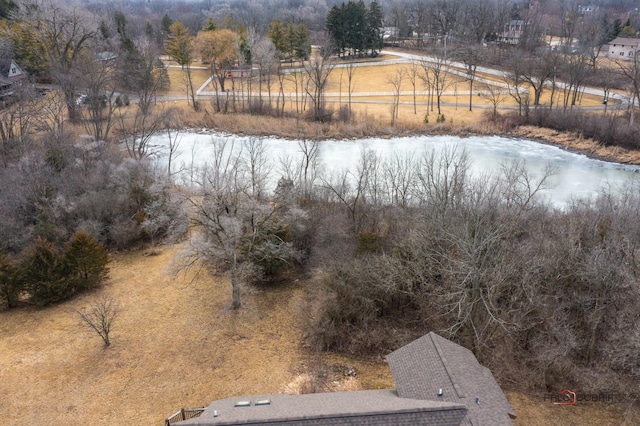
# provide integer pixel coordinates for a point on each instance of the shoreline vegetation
(365, 126)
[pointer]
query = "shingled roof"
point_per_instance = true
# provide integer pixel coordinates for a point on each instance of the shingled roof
(368, 408)
(433, 365)
(438, 383)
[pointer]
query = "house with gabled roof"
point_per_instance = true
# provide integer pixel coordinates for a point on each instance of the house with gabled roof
(11, 76)
(438, 383)
(513, 31)
(624, 48)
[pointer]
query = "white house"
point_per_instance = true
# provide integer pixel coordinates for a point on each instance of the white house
(623, 48)
(11, 75)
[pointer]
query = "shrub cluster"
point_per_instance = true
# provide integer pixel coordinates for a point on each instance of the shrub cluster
(44, 275)
(62, 200)
(55, 191)
(543, 297)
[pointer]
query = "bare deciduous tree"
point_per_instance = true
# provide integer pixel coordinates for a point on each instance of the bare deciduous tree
(264, 56)
(436, 75)
(66, 31)
(396, 81)
(496, 95)
(515, 81)
(98, 107)
(100, 317)
(413, 73)
(357, 191)
(235, 229)
(318, 70)
(631, 70)
(470, 57)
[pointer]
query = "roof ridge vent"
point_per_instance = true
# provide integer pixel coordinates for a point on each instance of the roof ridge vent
(449, 371)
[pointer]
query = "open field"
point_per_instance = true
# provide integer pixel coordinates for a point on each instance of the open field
(176, 344)
(371, 114)
(377, 77)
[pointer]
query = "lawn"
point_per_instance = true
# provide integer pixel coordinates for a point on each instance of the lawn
(175, 344)
(372, 93)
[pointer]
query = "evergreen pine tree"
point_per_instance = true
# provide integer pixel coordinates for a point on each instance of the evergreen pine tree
(10, 282)
(85, 261)
(44, 274)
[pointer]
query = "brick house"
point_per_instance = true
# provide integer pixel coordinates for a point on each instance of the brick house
(438, 383)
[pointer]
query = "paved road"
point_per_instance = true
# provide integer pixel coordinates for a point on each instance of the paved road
(619, 101)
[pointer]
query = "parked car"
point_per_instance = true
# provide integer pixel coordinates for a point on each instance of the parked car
(93, 100)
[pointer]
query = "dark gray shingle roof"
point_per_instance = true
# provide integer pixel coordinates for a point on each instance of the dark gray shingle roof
(376, 407)
(430, 363)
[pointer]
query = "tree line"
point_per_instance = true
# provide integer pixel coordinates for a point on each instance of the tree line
(354, 27)
(69, 193)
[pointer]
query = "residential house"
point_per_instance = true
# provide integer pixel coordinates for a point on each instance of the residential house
(434, 368)
(623, 48)
(389, 33)
(438, 383)
(11, 76)
(513, 31)
(587, 9)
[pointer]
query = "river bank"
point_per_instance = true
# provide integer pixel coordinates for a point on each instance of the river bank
(364, 126)
(576, 143)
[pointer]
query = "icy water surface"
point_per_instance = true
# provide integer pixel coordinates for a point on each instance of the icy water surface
(574, 175)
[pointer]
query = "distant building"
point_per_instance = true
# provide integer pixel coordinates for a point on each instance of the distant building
(11, 77)
(438, 383)
(389, 33)
(241, 72)
(623, 48)
(513, 31)
(588, 9)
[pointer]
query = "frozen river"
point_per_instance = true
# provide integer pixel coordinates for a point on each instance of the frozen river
(574, 175)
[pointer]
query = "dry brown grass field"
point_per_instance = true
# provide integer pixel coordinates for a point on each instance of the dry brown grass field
(376, 79)
(372, 114)
(176, 343)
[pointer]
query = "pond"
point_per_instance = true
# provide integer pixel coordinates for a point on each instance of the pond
(574, 175)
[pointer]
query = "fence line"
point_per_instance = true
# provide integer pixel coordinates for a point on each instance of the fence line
(183, 414)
